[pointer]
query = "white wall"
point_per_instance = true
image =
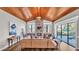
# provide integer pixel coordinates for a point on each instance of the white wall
(4, 27)
(71, 17)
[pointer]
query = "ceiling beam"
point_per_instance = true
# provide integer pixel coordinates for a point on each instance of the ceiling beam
(52, 13)
(33, 11)
(27, 14)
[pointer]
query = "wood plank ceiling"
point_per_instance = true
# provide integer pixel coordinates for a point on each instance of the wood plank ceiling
(30, 13)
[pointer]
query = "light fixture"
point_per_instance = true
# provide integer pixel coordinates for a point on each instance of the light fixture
(38, 19)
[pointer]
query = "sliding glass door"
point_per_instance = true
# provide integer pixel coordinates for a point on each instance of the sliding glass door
(72, 34)
(59, 34)
(64, 33)
(67, 33)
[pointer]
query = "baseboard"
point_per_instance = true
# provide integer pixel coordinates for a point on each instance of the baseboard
(1, 49)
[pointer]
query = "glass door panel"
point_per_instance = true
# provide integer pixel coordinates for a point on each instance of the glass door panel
(59, 32)
(72, 34)
(64, 33)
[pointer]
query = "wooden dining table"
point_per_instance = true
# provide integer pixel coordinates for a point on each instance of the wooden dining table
(33, 45)
(38, 43)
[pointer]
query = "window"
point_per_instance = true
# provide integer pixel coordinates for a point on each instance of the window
(67, 33)
(47, 26)
(72, 34)
(64, 32)
(59, 34)
(31, 27)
